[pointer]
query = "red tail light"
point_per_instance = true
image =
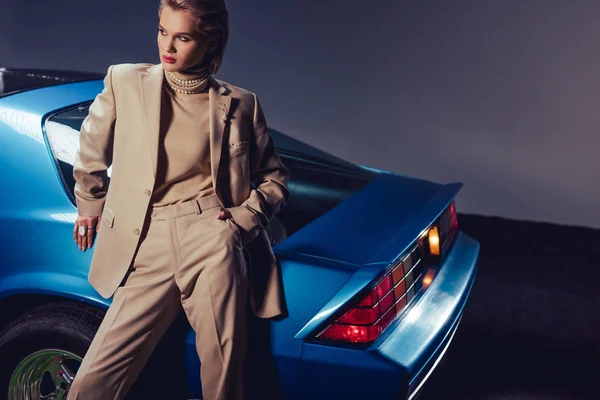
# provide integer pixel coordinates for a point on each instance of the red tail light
(374, 311)
(378, 308)
(448, 224)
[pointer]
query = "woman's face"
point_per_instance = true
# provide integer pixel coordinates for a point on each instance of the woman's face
(179, 40)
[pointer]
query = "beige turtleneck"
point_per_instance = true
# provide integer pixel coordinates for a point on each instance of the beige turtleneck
(183, 170)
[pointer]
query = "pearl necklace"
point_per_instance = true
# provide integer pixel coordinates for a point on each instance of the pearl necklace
(199, 83)
(187, 91)
(187, 82)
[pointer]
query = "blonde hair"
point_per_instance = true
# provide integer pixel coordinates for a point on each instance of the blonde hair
(212, 20)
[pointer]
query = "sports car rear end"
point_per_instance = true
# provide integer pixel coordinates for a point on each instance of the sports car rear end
(408, 273)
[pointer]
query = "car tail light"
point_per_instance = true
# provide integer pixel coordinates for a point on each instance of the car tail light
(440, 236)
(376, 309)
(371, 312)
(433, 238)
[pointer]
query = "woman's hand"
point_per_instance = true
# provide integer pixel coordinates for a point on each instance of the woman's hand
(93, 224)
(224, 214)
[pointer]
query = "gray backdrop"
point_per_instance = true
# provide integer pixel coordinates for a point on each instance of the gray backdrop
(501, 95)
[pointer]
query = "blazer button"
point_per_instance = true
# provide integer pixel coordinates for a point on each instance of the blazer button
(136, 231)
(147, 192)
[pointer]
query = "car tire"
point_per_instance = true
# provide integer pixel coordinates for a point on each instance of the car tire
(52, 337)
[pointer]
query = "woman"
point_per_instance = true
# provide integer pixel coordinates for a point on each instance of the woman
(180, 209)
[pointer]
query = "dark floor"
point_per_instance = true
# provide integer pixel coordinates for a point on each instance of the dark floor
(531, 328)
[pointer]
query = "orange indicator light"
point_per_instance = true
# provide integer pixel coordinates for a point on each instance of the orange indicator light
(428, 278)
(434, 241)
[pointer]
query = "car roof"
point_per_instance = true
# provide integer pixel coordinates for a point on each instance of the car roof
(14, 80)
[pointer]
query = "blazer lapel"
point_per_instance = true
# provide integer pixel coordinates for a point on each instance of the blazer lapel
(151, 83)
(219, 104)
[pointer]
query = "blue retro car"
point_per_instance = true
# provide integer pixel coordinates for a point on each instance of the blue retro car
(375, 270)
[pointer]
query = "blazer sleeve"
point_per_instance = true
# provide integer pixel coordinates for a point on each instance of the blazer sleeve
(269, 176)
(94, 155)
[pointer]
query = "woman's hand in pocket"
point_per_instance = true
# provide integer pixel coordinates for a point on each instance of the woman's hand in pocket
(224, 214)
(93, 225)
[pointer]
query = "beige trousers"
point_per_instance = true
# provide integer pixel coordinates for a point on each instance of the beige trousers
(186, 257)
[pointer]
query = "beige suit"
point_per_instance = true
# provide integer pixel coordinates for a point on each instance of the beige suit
(157, 259)
(241, 152)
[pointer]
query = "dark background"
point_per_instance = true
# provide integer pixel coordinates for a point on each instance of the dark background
(499, 94)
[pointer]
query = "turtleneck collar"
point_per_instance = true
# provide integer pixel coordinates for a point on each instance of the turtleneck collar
(198, 80)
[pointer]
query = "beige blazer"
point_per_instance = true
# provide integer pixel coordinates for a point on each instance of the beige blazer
(122, 130)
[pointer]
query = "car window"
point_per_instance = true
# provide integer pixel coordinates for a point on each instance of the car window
(62, 130)
(294, 147)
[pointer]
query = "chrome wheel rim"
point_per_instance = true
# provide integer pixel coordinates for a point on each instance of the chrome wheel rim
(46, 375)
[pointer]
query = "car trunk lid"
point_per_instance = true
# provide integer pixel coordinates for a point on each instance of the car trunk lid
(376, 224)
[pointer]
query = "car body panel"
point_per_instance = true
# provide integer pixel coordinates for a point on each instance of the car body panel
(389, 231)
(399, 356)
(37, 207)
(386, 208)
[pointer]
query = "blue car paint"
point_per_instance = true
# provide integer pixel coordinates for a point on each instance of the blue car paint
(37, 206)
(398, 355)
(317, 257)
(369, 218)
(390, 230)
